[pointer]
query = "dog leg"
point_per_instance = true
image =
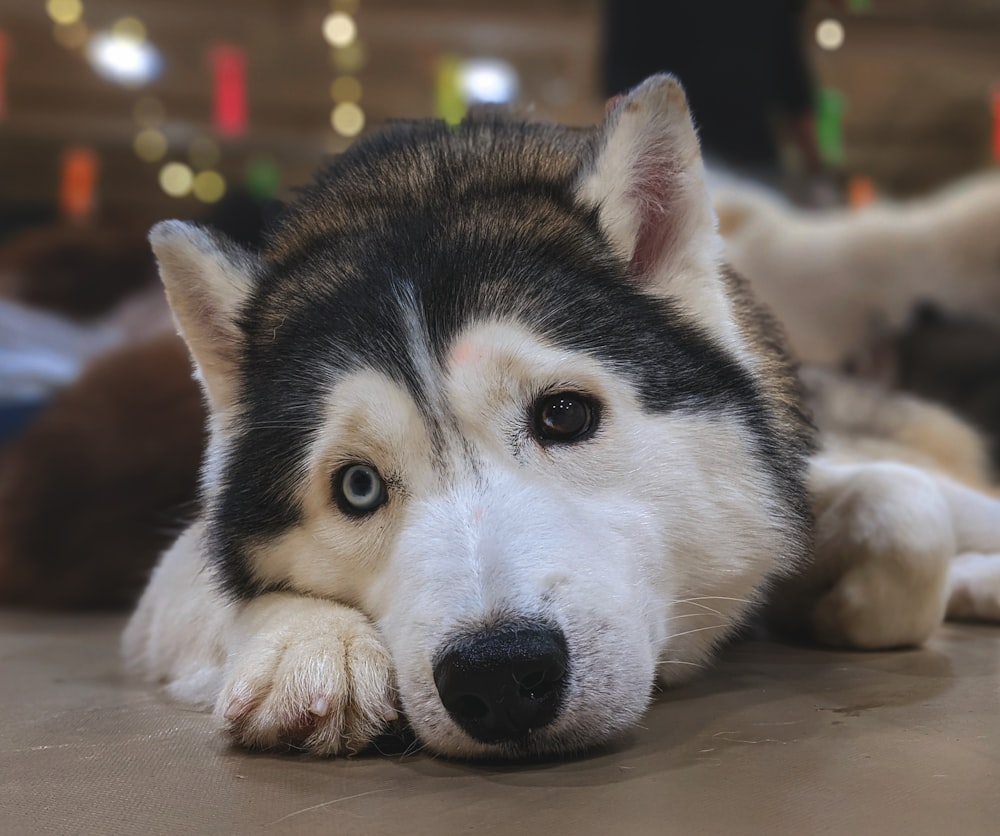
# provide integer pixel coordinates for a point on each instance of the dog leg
(974, 588)
(306, 673)
(178, 633)
(974, 576)
(282, 669)
(884, 538)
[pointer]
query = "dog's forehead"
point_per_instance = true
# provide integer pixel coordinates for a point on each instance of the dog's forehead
(415, 171)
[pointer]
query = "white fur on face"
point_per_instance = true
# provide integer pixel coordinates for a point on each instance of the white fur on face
(641, 543)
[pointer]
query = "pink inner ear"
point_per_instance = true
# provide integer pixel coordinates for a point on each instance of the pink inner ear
(655, 192)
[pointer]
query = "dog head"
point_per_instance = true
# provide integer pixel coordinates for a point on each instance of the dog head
(492, 386)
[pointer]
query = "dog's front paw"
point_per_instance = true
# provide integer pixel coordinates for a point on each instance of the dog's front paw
(974, 587)
(309, 674)
(883, 542)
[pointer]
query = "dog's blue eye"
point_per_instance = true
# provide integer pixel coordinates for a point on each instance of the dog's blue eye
(564, 417)
(360, 489)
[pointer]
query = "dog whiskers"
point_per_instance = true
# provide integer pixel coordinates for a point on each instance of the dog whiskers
(713, 598)
(696, 630)
(707, 609)
(694, 614)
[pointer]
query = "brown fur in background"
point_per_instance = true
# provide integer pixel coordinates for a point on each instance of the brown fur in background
(80, 272)
(101, 481)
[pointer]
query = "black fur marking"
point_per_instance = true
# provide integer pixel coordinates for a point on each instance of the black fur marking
(464, 224)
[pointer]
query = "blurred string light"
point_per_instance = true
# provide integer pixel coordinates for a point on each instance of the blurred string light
(150, 145)
(263, 178)
(347, 54)
(349, 59)
(487, 80)
(345, 88)
(830, 34)
(176, 179)
(64, 12)
(830, 107)
(463, 82)
(130, 28)
(78, 183)
(229, 84)
(123, 55)
(347, 119)
(208, 186)
(861, 191)
(449, 102)
(339, 29)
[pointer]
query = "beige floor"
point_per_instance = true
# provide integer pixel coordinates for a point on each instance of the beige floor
(775, 740)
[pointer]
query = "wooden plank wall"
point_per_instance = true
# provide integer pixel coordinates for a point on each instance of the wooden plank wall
(917, 74)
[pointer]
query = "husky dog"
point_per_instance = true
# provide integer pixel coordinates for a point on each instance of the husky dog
(496, 442)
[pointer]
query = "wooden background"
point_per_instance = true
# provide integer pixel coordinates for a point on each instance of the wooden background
(917, 74)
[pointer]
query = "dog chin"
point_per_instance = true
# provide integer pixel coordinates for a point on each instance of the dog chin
(573, 737)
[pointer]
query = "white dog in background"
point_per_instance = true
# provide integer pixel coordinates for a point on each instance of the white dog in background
(836, 277)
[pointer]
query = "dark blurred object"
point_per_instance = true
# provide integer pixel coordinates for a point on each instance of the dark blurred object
(242, 217)
(78, 271)
(16, 417)
(742, 64)
(90, 491)
(952, 360)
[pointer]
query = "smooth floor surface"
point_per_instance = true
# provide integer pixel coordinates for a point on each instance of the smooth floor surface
(774, 740)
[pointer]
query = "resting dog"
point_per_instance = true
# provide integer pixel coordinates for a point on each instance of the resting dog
(496, 442)
(836, 278)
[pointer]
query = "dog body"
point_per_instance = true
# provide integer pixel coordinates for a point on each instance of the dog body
(496, 441)
(833, 278)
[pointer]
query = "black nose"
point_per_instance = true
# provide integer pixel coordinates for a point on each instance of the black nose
(502, 683)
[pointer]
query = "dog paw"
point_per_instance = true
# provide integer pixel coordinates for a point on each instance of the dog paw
(974, 587)
(880, 574)
(878, 606)
(310, 675)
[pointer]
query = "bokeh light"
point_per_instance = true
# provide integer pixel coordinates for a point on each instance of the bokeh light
(129, 27)
(64, 12)
(345, 88)
(176, 179)
(350, 59)
(830, 34)
(124, 60)
(208, 186)
(339, 29)
(347, 119)
(150, 145)
(263, 178)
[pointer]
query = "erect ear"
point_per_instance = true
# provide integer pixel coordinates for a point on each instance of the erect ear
(648, 183)
(207, 280)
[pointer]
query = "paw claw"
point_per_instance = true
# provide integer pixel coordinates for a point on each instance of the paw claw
(238, 707)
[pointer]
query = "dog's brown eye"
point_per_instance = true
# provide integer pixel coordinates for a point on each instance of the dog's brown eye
(565, 416)
(359, 489)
